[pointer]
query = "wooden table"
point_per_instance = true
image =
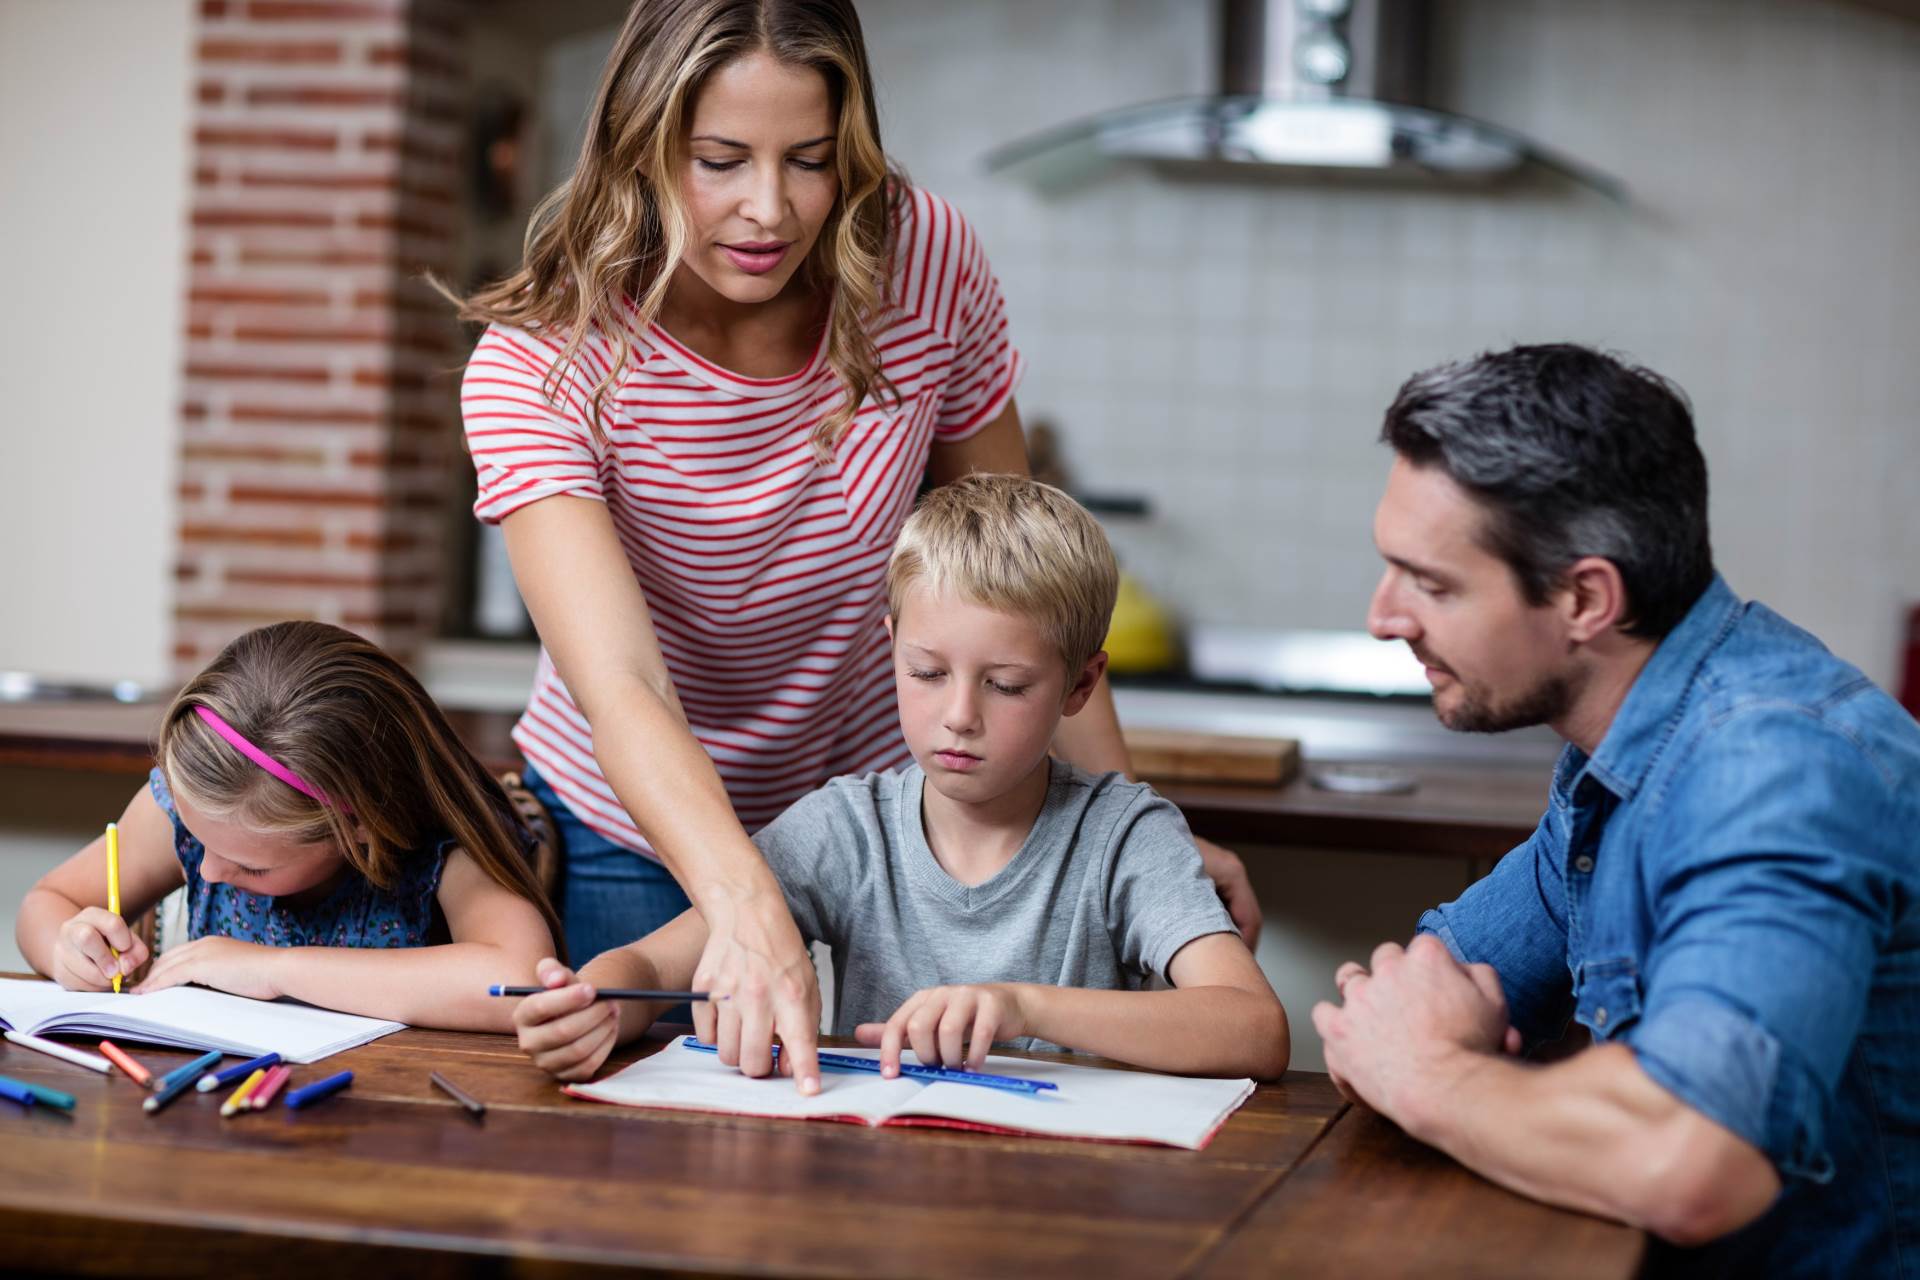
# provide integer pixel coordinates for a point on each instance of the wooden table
(1475, 812)
(391, 1178)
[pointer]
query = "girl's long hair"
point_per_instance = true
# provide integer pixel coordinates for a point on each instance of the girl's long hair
(602, 248)
(352, 722)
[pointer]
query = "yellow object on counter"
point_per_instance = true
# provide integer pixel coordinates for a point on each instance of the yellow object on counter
(1141, 637)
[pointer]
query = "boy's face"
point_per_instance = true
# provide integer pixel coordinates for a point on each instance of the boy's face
(981, 693)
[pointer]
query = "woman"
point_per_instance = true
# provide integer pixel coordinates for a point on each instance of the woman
(700, 412)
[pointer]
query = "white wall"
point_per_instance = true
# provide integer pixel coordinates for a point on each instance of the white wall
(94, 96)
(1227, 348)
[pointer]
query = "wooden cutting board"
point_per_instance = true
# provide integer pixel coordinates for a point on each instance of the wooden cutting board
(1173, 755)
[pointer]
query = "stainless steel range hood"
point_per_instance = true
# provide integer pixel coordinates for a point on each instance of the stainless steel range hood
(1307, 88)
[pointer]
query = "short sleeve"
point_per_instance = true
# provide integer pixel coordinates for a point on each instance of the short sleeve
(1770, 919)
(1158, 896)
(525, 446)
(187, 849)
(815, 849)
(1515, 919)
(951, 284)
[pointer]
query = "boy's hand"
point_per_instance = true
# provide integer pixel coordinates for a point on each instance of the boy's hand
(225, 964)
(948, 1026)
(566, 1032)
(83, 951)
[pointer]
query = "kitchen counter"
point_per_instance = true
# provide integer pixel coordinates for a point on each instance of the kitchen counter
(1470, 804)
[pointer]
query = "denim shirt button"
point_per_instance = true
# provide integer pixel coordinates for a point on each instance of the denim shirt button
(1600, 1016)
(1583, 863)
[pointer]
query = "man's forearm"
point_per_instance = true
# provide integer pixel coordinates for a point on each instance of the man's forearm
(1594, 1133)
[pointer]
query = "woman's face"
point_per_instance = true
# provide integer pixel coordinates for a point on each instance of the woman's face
(760, 179)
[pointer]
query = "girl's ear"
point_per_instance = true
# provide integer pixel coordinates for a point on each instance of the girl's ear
(1083, 687)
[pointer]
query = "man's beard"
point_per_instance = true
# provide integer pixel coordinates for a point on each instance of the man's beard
(1544, 703)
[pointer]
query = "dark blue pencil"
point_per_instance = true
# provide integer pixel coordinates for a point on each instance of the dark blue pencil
(912, 1071)
(177, 1083)
(45, 1096)
(227, 1075)
(610, 993)
(307, 1095)
(13, 1091)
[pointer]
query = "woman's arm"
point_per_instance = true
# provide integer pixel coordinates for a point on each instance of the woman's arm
(594, 622)
(1222, 1019)
(64, 928)
(497, 936)
(1091, 739)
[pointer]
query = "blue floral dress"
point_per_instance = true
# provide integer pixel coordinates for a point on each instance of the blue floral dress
(355, 913)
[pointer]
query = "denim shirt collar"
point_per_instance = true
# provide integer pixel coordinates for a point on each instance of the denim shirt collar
(1653, 706)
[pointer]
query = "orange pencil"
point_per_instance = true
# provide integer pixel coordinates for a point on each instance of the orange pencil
(119, 1058)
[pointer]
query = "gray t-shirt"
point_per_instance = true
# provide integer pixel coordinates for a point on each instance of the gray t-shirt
(1106, 889)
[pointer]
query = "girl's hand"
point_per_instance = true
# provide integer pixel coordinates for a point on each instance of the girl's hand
(566, 1032)
(225, 964)
(949, 1026)
(83, 951)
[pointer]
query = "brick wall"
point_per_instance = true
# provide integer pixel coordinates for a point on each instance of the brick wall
(320, 419)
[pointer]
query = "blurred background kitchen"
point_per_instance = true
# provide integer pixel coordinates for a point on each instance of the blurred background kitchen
(230, 399)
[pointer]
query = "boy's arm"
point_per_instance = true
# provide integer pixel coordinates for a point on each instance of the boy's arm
(1222, 1019)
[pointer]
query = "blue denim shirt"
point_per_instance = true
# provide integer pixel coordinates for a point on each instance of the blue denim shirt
(1730, 886)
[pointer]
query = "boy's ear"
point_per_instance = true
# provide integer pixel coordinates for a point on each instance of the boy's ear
(1084, 686)
(889, 621)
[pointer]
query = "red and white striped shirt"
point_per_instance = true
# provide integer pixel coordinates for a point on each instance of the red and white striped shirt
(764, 569)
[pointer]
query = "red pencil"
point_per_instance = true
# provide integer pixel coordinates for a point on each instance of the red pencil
(118, 1057)
(263, 1092)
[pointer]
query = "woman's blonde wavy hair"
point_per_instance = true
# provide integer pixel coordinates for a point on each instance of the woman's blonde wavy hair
(616, 230)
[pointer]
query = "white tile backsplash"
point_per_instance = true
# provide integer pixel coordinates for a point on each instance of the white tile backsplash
(1226, 349)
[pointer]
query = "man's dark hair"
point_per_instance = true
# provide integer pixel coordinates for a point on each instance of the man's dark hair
(1570, 453)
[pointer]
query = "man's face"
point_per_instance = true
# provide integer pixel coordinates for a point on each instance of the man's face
(1495, 662)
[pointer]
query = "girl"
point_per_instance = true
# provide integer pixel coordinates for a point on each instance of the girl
(700, 412)
(337, 842)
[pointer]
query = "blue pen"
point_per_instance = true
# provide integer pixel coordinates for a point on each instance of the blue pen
(309, 1094)
(932, 1075)
(227, 1075)
(40, 1092)
(14, 1091)
(190, 1072)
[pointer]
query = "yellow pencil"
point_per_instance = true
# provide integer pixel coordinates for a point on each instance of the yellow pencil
(113, 887)
(238, 1101)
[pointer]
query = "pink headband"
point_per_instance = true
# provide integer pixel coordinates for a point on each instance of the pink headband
(260, 757)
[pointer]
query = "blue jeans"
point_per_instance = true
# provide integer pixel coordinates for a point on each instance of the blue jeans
(609, 895)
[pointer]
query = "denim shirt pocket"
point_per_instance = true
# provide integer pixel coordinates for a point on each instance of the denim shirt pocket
(1607, 996)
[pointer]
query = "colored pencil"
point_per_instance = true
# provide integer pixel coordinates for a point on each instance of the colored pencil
(79, 1057)
(474, 1106)
(611, 993)
(113, 889)
(42, 1094)
(14, 1091)
(237, 1101)
(190, 1072)
(227, 1075)
(911, 1071)
(307, 1095)
(263, 1092)
(121, 1059)
(175, 1084)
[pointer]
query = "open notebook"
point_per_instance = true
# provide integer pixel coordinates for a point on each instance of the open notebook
(189, 1018)
(1091, 1102)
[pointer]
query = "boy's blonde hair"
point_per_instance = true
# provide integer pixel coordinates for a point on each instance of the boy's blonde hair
(1013, 544)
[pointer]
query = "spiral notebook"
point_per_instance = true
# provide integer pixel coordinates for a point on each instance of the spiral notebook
(189, 1018)
(1093, 1104)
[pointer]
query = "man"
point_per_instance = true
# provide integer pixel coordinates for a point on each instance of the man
(1725, 889)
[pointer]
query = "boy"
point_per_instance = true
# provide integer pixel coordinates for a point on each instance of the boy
(988, 892)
